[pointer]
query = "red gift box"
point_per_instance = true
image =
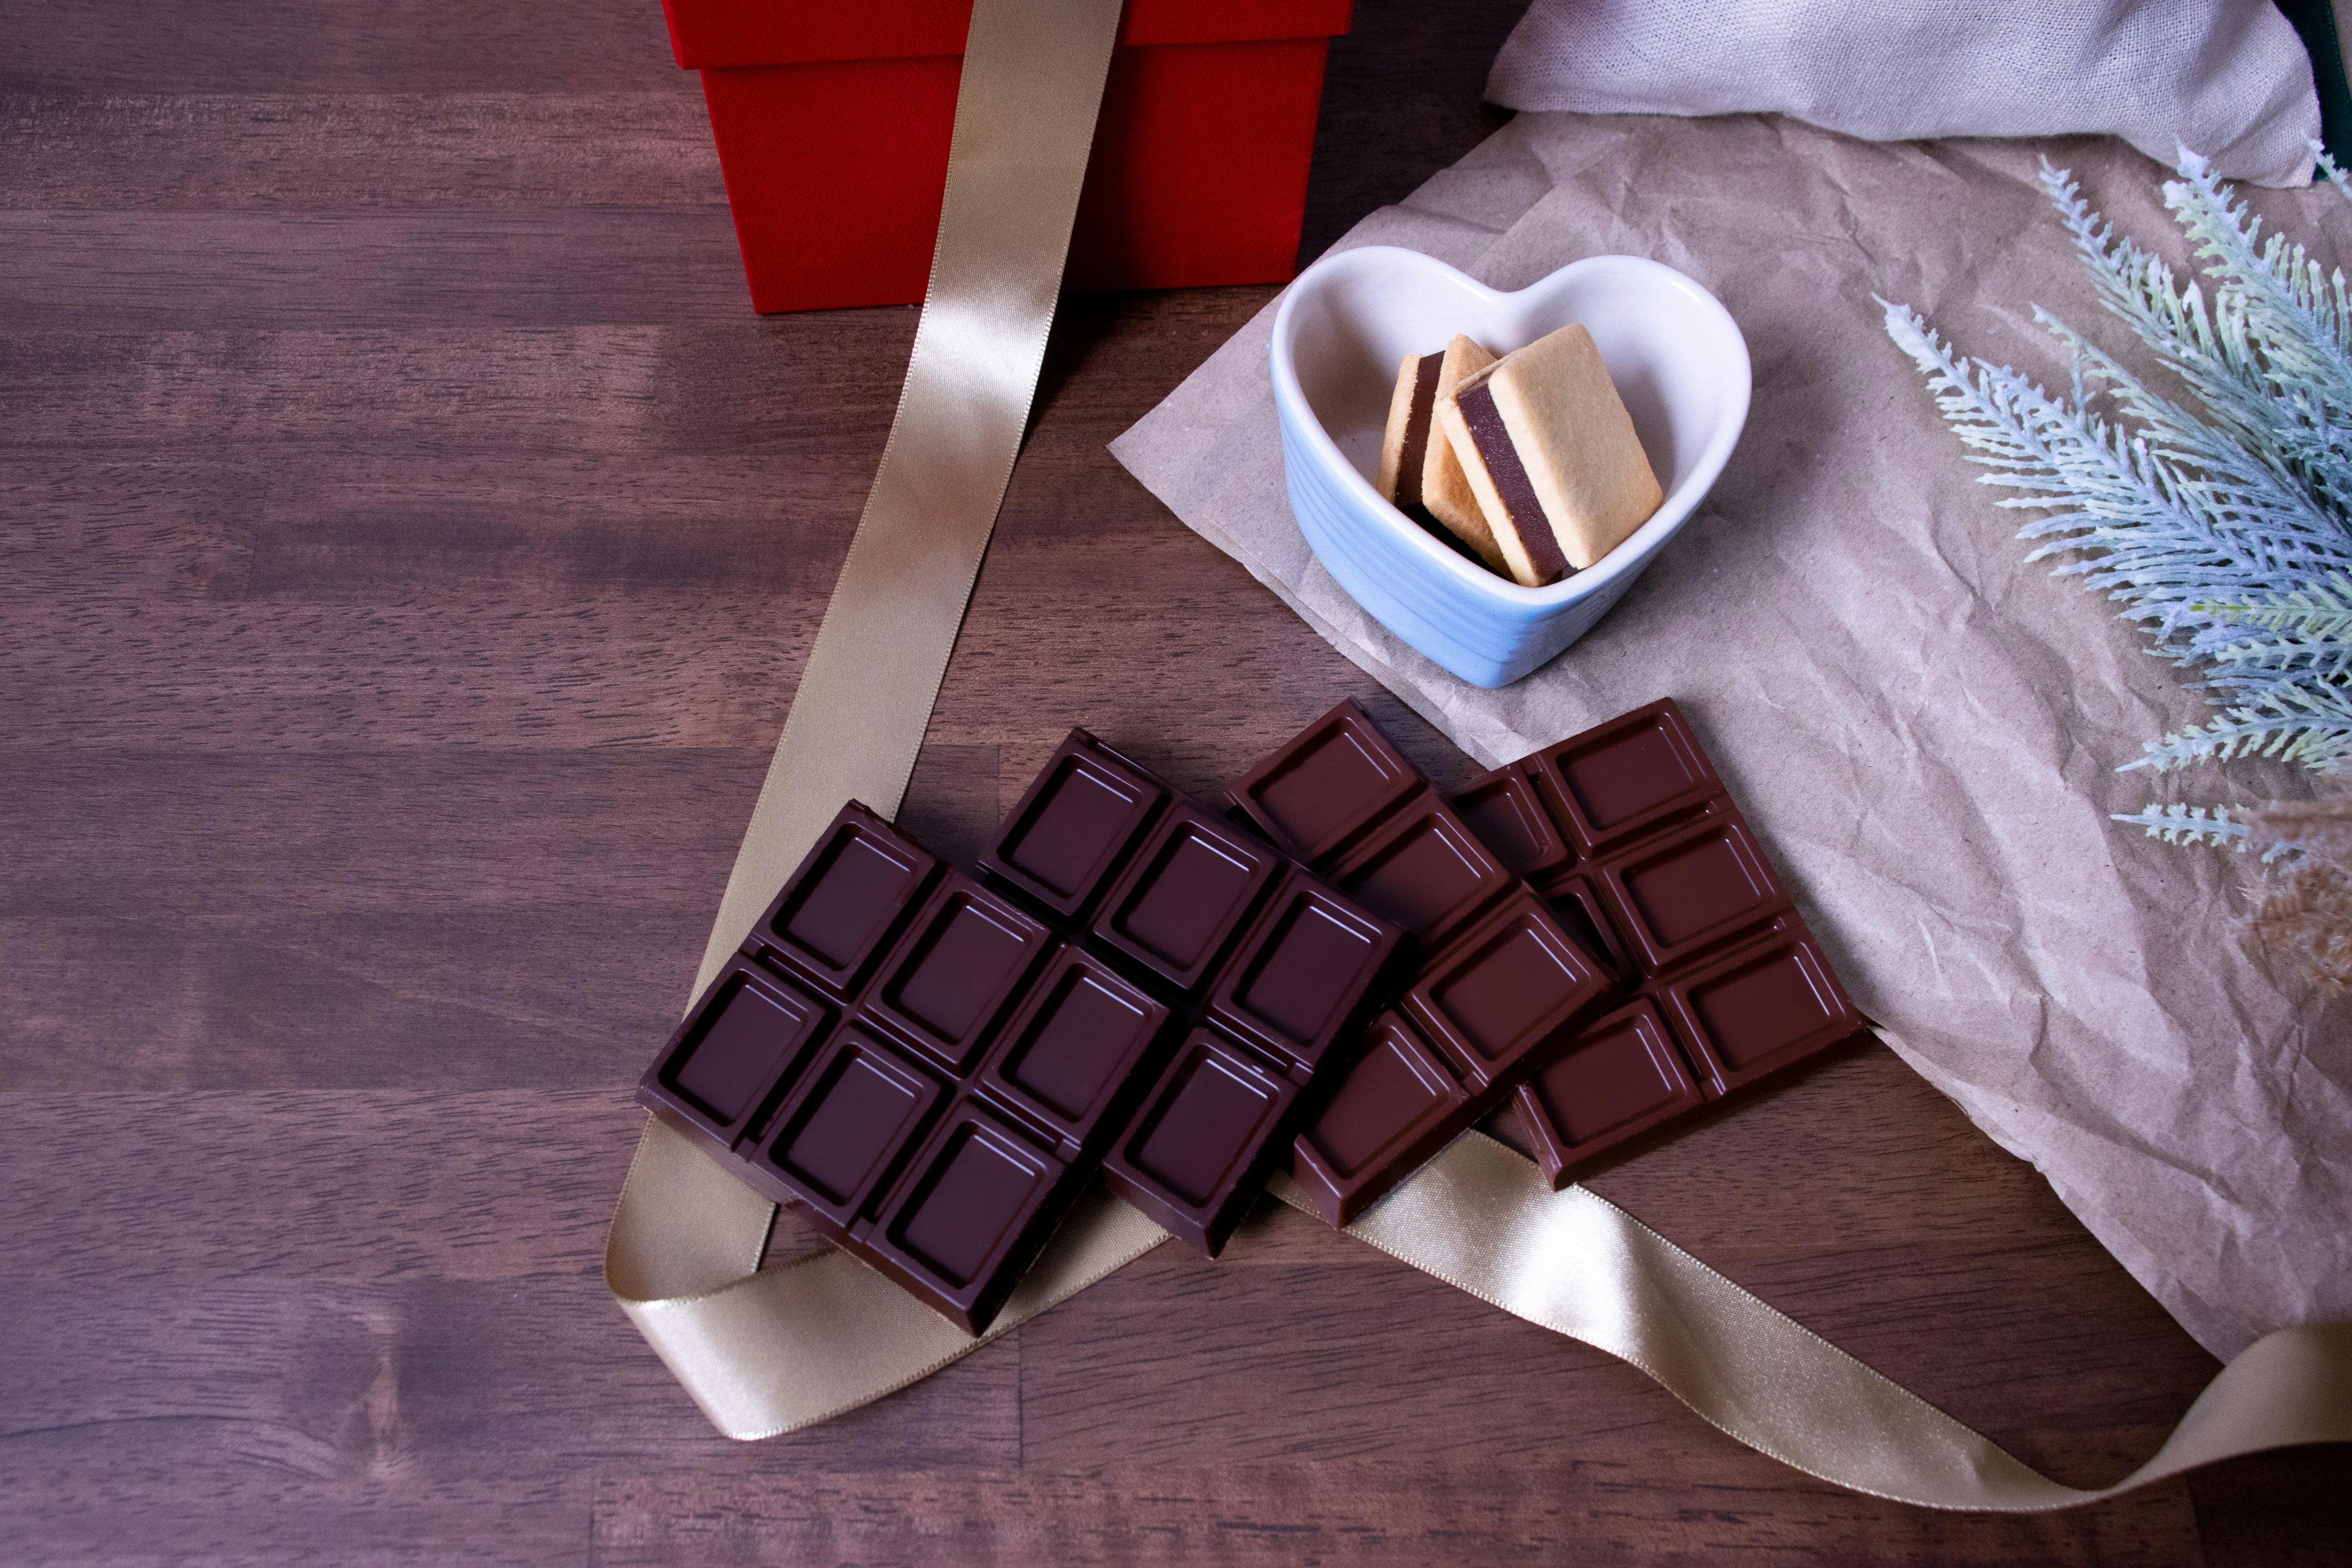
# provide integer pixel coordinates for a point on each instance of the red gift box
(833, 124)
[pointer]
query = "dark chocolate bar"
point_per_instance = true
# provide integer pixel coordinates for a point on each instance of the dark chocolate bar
(1498, 980)
(1720, 983)
(1266, 970)
(932, 1065)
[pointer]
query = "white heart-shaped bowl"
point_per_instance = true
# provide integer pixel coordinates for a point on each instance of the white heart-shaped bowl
(1673, 349)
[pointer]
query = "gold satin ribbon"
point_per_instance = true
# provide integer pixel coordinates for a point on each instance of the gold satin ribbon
(1033, 77)
(765, 1353)
(686, 1237)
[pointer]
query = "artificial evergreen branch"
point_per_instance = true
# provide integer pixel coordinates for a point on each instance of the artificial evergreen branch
(2225, 534)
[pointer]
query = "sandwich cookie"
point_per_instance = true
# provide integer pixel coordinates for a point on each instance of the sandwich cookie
(1550, 452)
(1418, 471)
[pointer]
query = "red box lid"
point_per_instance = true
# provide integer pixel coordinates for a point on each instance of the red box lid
(707, 33)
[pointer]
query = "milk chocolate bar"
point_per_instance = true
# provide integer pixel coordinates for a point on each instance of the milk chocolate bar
(1497, 983)
(1548, 447)
(1698, 977)
(931, 1065)
(1719, 981)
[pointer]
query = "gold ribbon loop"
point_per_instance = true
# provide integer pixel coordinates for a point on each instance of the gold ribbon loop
(686, 1237)
(767, 1353)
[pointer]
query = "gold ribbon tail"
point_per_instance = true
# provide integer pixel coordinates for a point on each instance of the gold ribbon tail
(1483, 1219)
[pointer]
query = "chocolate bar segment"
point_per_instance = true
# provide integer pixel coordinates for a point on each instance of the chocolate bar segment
(1620, 1078)
(837, 915)
(964, 958)
(1257, 954)
(1207, 1139)
(1426, 871)
(971, 1215)
(1761, 1007)
(728, 1060)
(1687, 890)
(839, 1138)
(932, 1066)
(1074, 826)
(1326, 787)
(1302, 974)
(1578, 905)
(1182, 899)
(1502, 990)
(1503, 811)
(1400, 1104)
(1069, 1056)
(1618, 781)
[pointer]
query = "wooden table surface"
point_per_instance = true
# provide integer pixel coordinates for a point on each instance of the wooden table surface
(411, 539)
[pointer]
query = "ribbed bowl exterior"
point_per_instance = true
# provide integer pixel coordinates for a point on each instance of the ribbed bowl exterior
(1485, 643)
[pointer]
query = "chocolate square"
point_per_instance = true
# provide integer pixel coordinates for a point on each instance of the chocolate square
(1759, 1007)
(1068, 1059)
(1619, 1078)
(1200, 1150)
(1503, 812)
(1327, 786)
(1680, 894)
(1184, 897)
(1070, 833)
(836, 916)
(1399, 1104)
(1503, 991)
(1300, 978)
(1619, 780)
(1577, 903)
(963, 959)
(724, 1063)
(840, 1136)
(1425, 872)
(964, 1223)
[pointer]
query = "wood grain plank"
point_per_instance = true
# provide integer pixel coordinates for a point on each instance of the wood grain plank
(350, 272)
(399, 46)
(1709, 1506)
(493, 1186)
(334, 152)
(412, 541)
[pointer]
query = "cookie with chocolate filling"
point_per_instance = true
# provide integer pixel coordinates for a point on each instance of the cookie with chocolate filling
(1550, 452)
(1418, 470)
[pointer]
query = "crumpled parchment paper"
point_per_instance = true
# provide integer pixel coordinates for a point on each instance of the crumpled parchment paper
(1924, 727)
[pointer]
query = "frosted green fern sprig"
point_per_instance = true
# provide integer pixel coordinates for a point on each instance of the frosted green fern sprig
(2225, 534)
(2191, 825)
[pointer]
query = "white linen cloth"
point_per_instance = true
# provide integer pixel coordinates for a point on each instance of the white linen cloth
(2228, 79)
